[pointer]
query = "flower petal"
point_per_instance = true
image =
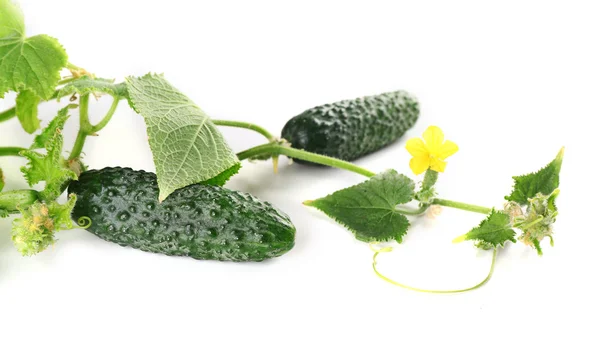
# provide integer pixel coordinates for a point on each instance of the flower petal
(433, 138)
(447, 149)
(417, 148)
(438, 165)
(419, 164)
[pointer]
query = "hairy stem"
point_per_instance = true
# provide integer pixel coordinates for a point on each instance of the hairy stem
(10, 151)
(245, 125)
(385, 278)
(463, 206)
(274, 149)
(84, 127)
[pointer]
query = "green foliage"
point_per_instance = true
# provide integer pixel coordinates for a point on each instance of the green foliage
(51, 167)
(187, 147)
(32, 63)
(55, 125)
(492, 232)
(427, 192)
(369, 208)
(34, 230)
(544, 181)
(538, 221)
(1, 180)
(95, 86)
(27, 110)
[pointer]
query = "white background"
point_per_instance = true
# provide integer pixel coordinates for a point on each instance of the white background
(509, 81)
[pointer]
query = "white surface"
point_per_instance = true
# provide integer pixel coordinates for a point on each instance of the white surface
(509, 82)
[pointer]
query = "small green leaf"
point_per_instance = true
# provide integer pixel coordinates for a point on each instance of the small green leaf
(50, 168)
(369, 208)
(27, 63)
(492, 232)
(1, 180)
(27, 110)
(34, 230)
(187, 147)
(544, 181)
(56, 124)
(96, 86)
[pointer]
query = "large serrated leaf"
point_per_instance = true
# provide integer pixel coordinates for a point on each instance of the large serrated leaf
(494, 231)
(187, 147)
(369, 208)
(96, 86)
(544, 181)
(32, 63)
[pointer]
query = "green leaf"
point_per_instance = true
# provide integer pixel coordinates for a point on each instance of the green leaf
(50, 168)
(34, 230)
(27, 63)
(187, 147)
(543, 181)
(492, 232)
(27, 110)
(56, 124)
(96, 86)
(369, 208)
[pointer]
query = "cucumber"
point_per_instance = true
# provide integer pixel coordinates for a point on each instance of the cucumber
(199, 221)
(349, 129)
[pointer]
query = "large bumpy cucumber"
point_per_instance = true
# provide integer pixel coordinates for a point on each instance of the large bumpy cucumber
(349, 129)
(199, 221)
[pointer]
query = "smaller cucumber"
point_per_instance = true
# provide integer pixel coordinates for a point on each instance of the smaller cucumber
(349, 129)
(199, 221)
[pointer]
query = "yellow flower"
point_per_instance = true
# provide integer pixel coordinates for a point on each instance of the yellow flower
(431, 153)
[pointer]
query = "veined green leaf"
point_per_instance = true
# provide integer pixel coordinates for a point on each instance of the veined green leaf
(494, 231)
(51, 167)
(49, 131)
(187, 147)
(369, 208)
(544, 181)
(32, 63)
(27, 110)
(96, 86)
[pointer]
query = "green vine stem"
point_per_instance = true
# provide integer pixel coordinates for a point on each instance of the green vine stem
(10, 151)
(274, 149)
(8, 114)
(385, 278)
(462, 206)
(405, 211)
(107, 117)
(245, 125)
(85, 127)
